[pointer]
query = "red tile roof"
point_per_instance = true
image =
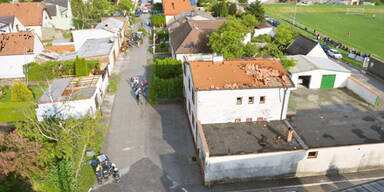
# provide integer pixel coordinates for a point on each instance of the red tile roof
(14, 43)
(29, 14)
(175, 7)
(239, 74)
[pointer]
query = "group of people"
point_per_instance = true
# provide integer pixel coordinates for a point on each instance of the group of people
(139, 88)
(104, 168)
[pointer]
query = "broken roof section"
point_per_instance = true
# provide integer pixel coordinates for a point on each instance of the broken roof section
(301, 45)
(192, 36)
(239, 74)
(67, 89)
(175, 7)
(16, 43)
(29, 13)
(60, 49)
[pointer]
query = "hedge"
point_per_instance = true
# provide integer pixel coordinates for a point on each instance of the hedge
(165, 88)
(55, 69)
(167, 68)
(81, 67)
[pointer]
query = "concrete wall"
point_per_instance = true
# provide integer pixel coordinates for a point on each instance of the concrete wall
(317, 51)
(219, 106)
(190, 102)
(62, 20)
(264, 31)
(369, 95)
(317, 75)
(343, 159)
(12, 65)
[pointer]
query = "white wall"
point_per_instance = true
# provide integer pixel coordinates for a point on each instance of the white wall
(38, 46)
(35, 29)
(12, 65)
(169, 19)
(180, 57)
(295, 163)
(247, 38)
(317, 51)
(264, 31)
(46, 20)
(189, 101)
(317, 75)
(363, 91)
(219, 106)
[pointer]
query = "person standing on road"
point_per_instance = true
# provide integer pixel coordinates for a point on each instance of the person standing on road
(137, 94)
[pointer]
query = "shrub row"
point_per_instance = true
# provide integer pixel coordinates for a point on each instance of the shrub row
(167, 68)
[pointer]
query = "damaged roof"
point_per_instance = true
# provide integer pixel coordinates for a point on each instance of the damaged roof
(67, 89)
(175, 7)
(111, 24)
(239, 74)
(16, 43)
(91, 48)
(301, 46)
(60, 49)
(29, 13)
(192, 36)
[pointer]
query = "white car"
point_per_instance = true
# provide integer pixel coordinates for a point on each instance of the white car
(145, 10)
(335, 54)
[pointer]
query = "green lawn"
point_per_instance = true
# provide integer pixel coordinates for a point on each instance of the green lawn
(367, 33)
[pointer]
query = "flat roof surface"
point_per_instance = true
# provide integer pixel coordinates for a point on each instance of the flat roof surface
(239, 73)
(308, 63)
(372, 186)
(245, 138)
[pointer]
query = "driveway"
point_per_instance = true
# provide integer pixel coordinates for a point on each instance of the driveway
(152, 146)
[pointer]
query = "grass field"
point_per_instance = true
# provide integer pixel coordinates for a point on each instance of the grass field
(367, 33)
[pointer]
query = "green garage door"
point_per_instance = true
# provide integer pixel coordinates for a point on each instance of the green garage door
(328, 81)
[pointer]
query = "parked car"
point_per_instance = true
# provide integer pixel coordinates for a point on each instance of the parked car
(334, 53)
(138, 12)
(325, 47)
(145, 10)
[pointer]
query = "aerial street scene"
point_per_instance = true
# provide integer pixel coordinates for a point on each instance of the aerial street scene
(191, 95)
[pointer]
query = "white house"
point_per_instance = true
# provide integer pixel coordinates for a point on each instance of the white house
(17, 49)
(33, 15)
(72, 97)
(116, 25)
(264, 29)
(305, 46)
(10, 24)
(61, 13)
(318, 72)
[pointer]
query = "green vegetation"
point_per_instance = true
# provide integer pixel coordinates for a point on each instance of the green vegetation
(223, 9)
(158, 20)
(162, 35)
(162, 47)
(81, 67)
(142, 29)
(167, 80)
(20, 93)
(332, 21)
(56, 69)
(113, 83)
(257, 10)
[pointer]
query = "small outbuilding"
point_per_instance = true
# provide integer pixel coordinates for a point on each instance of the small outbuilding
(303, 45)
(318, 72)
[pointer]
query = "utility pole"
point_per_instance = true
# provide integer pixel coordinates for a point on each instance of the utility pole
(154, 40)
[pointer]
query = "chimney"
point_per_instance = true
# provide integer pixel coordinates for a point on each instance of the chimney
(289, 134)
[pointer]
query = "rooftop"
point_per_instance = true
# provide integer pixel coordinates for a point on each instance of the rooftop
(16, 43)
(245, 138)
(62, 3)
(308, 63)
(372, 186)
(7, 19)
(60, 49)
(239, 74)
(263, 25)
(189, 15)
(192, 36)
(302, 45)
(70, 89)
(91, 48)
(111, 24)
(29, 13)
(175, 7)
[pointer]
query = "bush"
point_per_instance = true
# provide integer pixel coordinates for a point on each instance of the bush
(21, 93)
(250, 50)
(167, 68)
(81, 67)
(143, 30)
(162, 35)
(262, 39)
(162, 47)
(165, 88)
(158, 20)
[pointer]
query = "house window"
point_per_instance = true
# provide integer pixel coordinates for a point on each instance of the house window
(249, 120)
(262, 99)
(239, 100)
(237, 120)
(312, 155)
(250, 100)
(193, 96)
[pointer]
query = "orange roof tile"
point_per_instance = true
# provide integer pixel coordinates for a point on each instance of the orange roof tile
(239, 74)
(14, 43)
(175, 7)
(61, 48)
(29, 13)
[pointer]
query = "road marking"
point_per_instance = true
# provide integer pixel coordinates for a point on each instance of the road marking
(307, 185)
(127, 149)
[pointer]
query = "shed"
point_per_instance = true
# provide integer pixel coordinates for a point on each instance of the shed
(305, 46)
(376, 66)
(318, 72)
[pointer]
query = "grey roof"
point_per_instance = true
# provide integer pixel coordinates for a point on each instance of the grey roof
(111, 24)
(243, 138)
(7, 19)
(55, 92)
(301, 46)
(51, 9)
(91, 48)
(309, 63)
(62, 3)
(372, 186)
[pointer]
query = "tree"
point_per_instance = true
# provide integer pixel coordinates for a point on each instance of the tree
(232, 9)
(158, 20)
(250, 50)
(256, 10)
(243, 1)
(18, 155)
(271, 50)
(284, 36)
(81, 67)
(228, 38)
(220, 9)
(20, 93)
(287, 63)
(125, 6)
(249, 21)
